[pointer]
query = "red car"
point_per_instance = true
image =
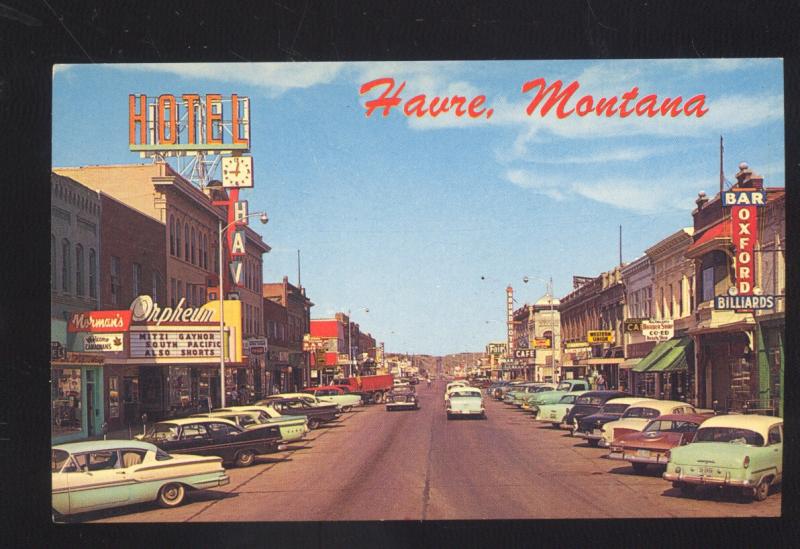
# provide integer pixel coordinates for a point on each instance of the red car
(651, 445)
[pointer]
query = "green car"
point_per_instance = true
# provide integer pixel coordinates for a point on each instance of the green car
(518, 396)
(293, 428)
(565, 387)
(555, 413)
(739, 451)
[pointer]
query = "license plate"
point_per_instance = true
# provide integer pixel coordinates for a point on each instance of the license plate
(553, 415)
(707, 470)
(643, 453)
(597, 432)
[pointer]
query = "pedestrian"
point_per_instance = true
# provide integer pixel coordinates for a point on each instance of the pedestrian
(235, 396)
(601, 383)
(243, 395)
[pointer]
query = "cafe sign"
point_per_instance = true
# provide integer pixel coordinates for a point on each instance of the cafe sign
(600, 336)
(103, 342)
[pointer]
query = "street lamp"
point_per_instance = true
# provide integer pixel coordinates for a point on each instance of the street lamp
(264, 220)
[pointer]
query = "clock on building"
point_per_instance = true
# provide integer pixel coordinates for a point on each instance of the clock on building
(237, 171)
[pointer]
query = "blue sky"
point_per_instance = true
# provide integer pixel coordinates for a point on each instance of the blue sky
(404, 216)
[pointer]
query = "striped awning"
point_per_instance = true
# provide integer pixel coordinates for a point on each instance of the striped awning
(667, 356)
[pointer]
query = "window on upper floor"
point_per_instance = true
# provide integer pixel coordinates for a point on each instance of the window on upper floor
(65, 265)
(186, 243)
(137, 279)
(172, 235)
(92, 273)
(79, 270)
(53, 262)
(154, 289)
(177, 238)
(116, 284)
(173, 287)
(671, 302)
(193, 246)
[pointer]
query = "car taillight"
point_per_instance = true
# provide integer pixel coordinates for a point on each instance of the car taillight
(746, 462)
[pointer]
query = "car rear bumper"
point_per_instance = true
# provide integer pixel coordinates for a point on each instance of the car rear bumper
(221, 480)
(401, 405)
(658, 459)
(709, 481)
(466, 412)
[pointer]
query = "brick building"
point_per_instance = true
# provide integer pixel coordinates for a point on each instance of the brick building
(298, 310)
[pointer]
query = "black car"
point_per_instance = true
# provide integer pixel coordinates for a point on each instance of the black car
(588, 404)
(590, 427)
(214, 437)
(402, 398)
(316, 414)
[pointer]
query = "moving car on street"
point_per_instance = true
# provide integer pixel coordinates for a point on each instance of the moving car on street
(465, 401)
(636, 417)
(401, 398)
(214, 437)
(587, 404)
(591, 427)
(660, 435)
(100, 474)
(316, 413)
(337, 395)
(453, 385)
(556, 413)
(742, 452)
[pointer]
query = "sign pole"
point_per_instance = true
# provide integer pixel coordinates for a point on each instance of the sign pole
(221, 325)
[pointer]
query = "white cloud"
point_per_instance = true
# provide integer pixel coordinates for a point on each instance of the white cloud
(275, 78)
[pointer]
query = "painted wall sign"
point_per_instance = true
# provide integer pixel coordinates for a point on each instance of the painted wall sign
(542, 343)
(191, 123)
(600, 336)
(744, 206)
(744, 302)
(524, 353)
(99, 321)
(144, 309)
(103, 342)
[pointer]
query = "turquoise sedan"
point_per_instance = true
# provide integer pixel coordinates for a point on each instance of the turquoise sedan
(100, 474)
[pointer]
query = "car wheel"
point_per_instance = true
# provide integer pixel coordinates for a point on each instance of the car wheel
(555, 425)
(171, 495)
(593, 442)
(639, 467)
(245, 458)
(687, 489)
(346, 409)
(762, 490)
(313, 423)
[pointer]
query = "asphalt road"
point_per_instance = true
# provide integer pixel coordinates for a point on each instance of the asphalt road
(412, 465)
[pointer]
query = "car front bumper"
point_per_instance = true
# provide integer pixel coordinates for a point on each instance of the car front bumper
(589, 436)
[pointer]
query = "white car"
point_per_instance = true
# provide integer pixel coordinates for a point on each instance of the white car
(452, 386)
(100, 474)
(638, 415)
(465, 401)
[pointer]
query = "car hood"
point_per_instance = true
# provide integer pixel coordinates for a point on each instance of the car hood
(719, 454)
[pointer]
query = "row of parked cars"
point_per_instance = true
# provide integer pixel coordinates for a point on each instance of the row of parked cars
(177, 455)
(695, 447)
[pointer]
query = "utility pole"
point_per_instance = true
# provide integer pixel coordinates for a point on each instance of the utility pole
(620, 245)
(721, 172)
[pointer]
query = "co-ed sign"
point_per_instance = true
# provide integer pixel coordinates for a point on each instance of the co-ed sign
(600, 336)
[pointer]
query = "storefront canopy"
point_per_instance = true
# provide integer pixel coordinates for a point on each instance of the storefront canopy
(667, 356)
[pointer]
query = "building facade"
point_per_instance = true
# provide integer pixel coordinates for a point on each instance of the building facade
(637, 276)
(580, 313)
(298, 309)
(546, 332)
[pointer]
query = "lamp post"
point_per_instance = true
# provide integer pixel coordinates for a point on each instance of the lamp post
(264, 219)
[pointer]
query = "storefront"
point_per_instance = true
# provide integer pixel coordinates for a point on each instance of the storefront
(666, 372)
(770, 334)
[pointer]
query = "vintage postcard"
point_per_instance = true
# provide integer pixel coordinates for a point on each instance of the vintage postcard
(439, 290)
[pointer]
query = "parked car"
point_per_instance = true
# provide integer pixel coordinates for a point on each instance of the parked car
(402, 398)
(465, 401)
(739, 451)
(307, 397)
(587, 404)
(509, 386)
(292, 428)
(101, 474)
(452, 386)
(316, 413)
(521, 398)
(495, 389)
(510, 396)
(553, 396)
(556, 413)
(650, 446)
(337, 395)
(591, 427)
(637, 416)
(214, 437)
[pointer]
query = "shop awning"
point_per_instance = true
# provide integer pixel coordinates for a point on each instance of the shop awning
(715, 237)
(666, 356)
(629, 363)
(596, 361)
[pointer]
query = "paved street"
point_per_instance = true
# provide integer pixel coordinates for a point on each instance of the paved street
(411, 465)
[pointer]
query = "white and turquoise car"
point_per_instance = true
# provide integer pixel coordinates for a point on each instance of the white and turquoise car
(465, 401)
(556, 413)
(100, 474)
(737, 451)
(345, 401)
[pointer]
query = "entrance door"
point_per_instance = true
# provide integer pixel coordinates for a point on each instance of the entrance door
(213, 390)
(90, 402)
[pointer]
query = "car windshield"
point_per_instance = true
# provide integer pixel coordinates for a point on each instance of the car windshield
(641, 412)
(563, 386)
(592, 400)
(729, 434)
(57, 460)
(567, 399)
(163, 431)
(614, 408)
(667, 426)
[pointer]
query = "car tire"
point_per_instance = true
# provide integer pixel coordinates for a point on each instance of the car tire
(593, 442)
(171, 495)
(245, 458)
(377, 398)
(639, 468)
(762, 490)
(346, 409)
(555, 425)
(313, 423)
(687, 490)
